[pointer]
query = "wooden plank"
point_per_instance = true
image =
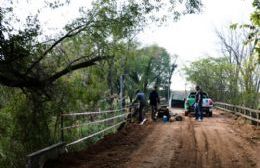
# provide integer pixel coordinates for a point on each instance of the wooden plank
(225, 109)
(249, 109)
(240, 107)
(250, 118)
(238, 113)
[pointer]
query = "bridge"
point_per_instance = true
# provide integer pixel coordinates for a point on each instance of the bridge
(231, 138)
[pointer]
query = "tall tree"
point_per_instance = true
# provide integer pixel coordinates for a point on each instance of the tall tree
(254, 36)
(38, 67)
(216, 77)
(241, 52)
(151, 66)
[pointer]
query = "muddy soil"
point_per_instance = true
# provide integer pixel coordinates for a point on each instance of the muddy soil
(222, 141)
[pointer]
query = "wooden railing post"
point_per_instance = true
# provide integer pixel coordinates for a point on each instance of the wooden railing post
(61, 127)
(258, 117)
(252, 115)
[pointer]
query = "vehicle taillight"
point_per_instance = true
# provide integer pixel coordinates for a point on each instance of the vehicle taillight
(210, 102)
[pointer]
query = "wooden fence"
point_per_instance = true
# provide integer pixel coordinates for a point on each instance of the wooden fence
(248, 113)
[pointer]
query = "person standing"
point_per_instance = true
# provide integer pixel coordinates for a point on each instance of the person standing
(154, 101)
(198, 104)
(140, 98)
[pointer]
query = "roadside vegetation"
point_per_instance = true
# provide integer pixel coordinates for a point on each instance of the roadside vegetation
(233, 77)
(77, 69)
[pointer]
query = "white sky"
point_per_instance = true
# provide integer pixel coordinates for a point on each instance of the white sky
(193, 36)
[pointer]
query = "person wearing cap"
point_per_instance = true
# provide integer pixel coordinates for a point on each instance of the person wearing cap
(198, 104)
(154, 101)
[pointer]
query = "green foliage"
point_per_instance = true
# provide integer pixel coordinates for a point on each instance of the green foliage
(253, 29)
(222, 81)
(151, 66)
(37, 83)
(241, 46)
(10, 146)
(215, 76)
(28, 125)
(255, 18)
(77, 92)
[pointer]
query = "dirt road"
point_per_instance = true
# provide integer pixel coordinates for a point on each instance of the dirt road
(217, 142)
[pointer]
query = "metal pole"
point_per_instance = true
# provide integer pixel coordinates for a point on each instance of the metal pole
(169, 94)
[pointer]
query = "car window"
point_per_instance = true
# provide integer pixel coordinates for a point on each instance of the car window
(204, 95)
(193, 94)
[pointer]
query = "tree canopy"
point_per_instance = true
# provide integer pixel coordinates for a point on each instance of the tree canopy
(107, 23)
(75, 69)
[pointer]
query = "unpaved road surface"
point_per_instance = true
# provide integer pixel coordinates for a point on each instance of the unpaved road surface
(217, 142)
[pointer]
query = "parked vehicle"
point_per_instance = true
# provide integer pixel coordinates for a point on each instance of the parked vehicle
(207, 104)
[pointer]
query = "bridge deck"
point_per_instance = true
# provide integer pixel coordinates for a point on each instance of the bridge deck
(219, 141)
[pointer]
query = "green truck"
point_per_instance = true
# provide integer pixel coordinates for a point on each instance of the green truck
(207, 104)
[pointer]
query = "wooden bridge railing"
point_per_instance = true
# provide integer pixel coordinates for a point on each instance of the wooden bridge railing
(248, 113)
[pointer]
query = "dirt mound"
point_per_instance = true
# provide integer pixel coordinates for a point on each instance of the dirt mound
(112, 151)
(243, 127)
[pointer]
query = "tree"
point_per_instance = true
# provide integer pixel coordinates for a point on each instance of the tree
(24, 58)
(255, 18)
(216, 77)
(151, 66)
(241, 52)
(38, 68)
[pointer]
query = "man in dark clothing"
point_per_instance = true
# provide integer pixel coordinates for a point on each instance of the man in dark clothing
(140, 97)
(154, 101)
(198, 104)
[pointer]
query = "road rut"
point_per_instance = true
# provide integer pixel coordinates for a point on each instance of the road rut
(217, 142)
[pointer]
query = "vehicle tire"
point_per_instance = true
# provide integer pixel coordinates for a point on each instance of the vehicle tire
(210, 114)
(207, 113)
